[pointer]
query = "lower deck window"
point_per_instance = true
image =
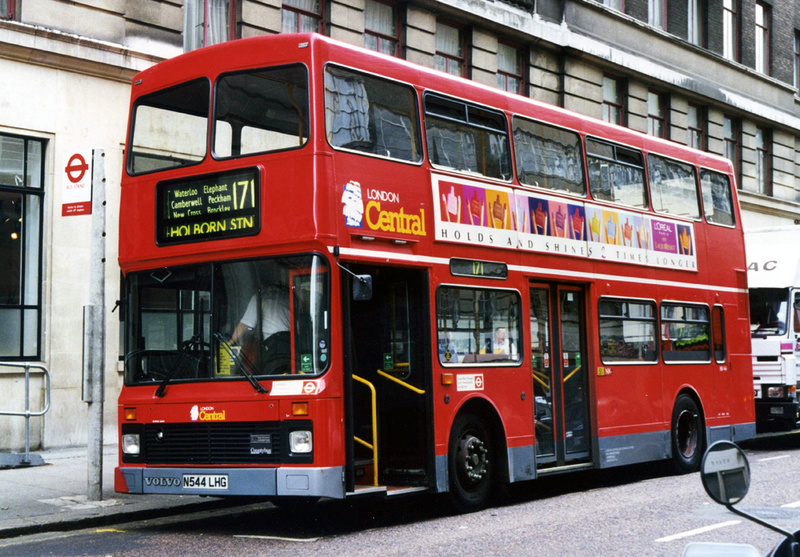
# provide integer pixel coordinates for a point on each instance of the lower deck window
(685, 333)
(477, 325)
(627, 331)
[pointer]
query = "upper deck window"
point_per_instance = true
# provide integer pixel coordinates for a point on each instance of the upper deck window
(673, 187)
(616, 173)
(259, 111)
(717, 197)
(548, 157)
(371, 115)
(169, 128)
(467, 137)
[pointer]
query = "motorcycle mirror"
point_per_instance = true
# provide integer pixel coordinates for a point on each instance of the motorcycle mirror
(725, 473)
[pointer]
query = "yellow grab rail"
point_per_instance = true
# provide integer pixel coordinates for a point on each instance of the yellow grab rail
(401, 382)
(374, 445)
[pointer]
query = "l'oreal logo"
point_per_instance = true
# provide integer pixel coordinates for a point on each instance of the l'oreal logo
(206, 414)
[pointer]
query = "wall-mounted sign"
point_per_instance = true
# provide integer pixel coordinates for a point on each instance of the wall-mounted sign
(210, 207)
(76, 179)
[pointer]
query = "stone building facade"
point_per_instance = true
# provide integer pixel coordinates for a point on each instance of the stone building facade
(721, 75)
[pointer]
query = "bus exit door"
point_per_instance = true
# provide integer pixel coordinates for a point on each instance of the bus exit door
(560, 380)
(387, 353)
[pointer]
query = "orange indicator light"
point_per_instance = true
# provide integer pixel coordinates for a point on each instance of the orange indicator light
(299, 409)
(130, 414)
(447, 379)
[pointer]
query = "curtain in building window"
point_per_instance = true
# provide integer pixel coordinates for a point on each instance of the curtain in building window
(193, 15)
(217, 22)
(448, 40)
(378, 18)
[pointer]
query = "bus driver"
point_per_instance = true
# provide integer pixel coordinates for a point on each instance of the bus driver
(274, 341)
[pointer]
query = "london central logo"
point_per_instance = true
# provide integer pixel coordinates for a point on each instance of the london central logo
(206, 414)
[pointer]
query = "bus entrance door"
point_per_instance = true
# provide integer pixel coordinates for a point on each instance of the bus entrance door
(560, 381)
(387, 351)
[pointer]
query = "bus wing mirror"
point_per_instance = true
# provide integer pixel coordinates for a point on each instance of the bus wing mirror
(362, 288)
(725, 473)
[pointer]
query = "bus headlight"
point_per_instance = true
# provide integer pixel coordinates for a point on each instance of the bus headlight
(131, 444)
(300, 442)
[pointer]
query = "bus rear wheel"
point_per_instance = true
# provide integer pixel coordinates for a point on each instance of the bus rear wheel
(471, 463)
(687, 434)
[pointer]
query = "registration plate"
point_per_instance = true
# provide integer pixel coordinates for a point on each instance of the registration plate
(205, 481)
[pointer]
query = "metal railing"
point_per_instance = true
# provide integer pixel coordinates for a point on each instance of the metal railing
(15, 459)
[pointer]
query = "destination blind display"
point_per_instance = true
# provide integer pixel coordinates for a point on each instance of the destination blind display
(210, 207)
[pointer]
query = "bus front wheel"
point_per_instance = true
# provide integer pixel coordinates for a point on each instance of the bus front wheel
(470, 463)
(687, 434)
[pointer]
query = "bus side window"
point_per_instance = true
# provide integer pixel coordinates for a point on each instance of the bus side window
(467, 137)
(548, 157)
(718, 334)
(478, 325)
(685, 333)
(673, 187)
(717, 197)
(627, 331)
(371, 115)
(616, 173)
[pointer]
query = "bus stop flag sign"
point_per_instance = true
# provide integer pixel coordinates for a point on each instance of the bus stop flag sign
(76, 194)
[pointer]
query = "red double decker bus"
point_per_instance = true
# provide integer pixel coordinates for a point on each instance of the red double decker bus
(348, 274)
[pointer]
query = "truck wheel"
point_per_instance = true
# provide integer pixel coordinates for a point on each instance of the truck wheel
(687, 434)
(470, 458)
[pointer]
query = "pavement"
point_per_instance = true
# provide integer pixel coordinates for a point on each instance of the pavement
(53, 496)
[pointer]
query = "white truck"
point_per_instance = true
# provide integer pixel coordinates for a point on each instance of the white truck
(773, 275)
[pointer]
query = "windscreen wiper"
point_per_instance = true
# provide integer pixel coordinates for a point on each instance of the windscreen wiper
(185, 347)
(240, 364)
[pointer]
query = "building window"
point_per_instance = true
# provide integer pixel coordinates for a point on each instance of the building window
(730, 131)
(449, 55)
(301, 16)
(612, 101)
(695, 22)
(207, 22)
(696, 127)
(21, 203)
(7, 9)
(762, 37)
(380, 28)
(509, 68)
(618, 5)
(763, 148)
(797, 59)
(656, 13)
(656, 114)
(730, 30)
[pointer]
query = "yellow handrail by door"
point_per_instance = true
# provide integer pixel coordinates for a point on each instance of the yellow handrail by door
(400, 382)
(374, 445)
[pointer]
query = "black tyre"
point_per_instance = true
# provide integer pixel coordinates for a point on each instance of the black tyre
(687, 434)
(471, 463)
